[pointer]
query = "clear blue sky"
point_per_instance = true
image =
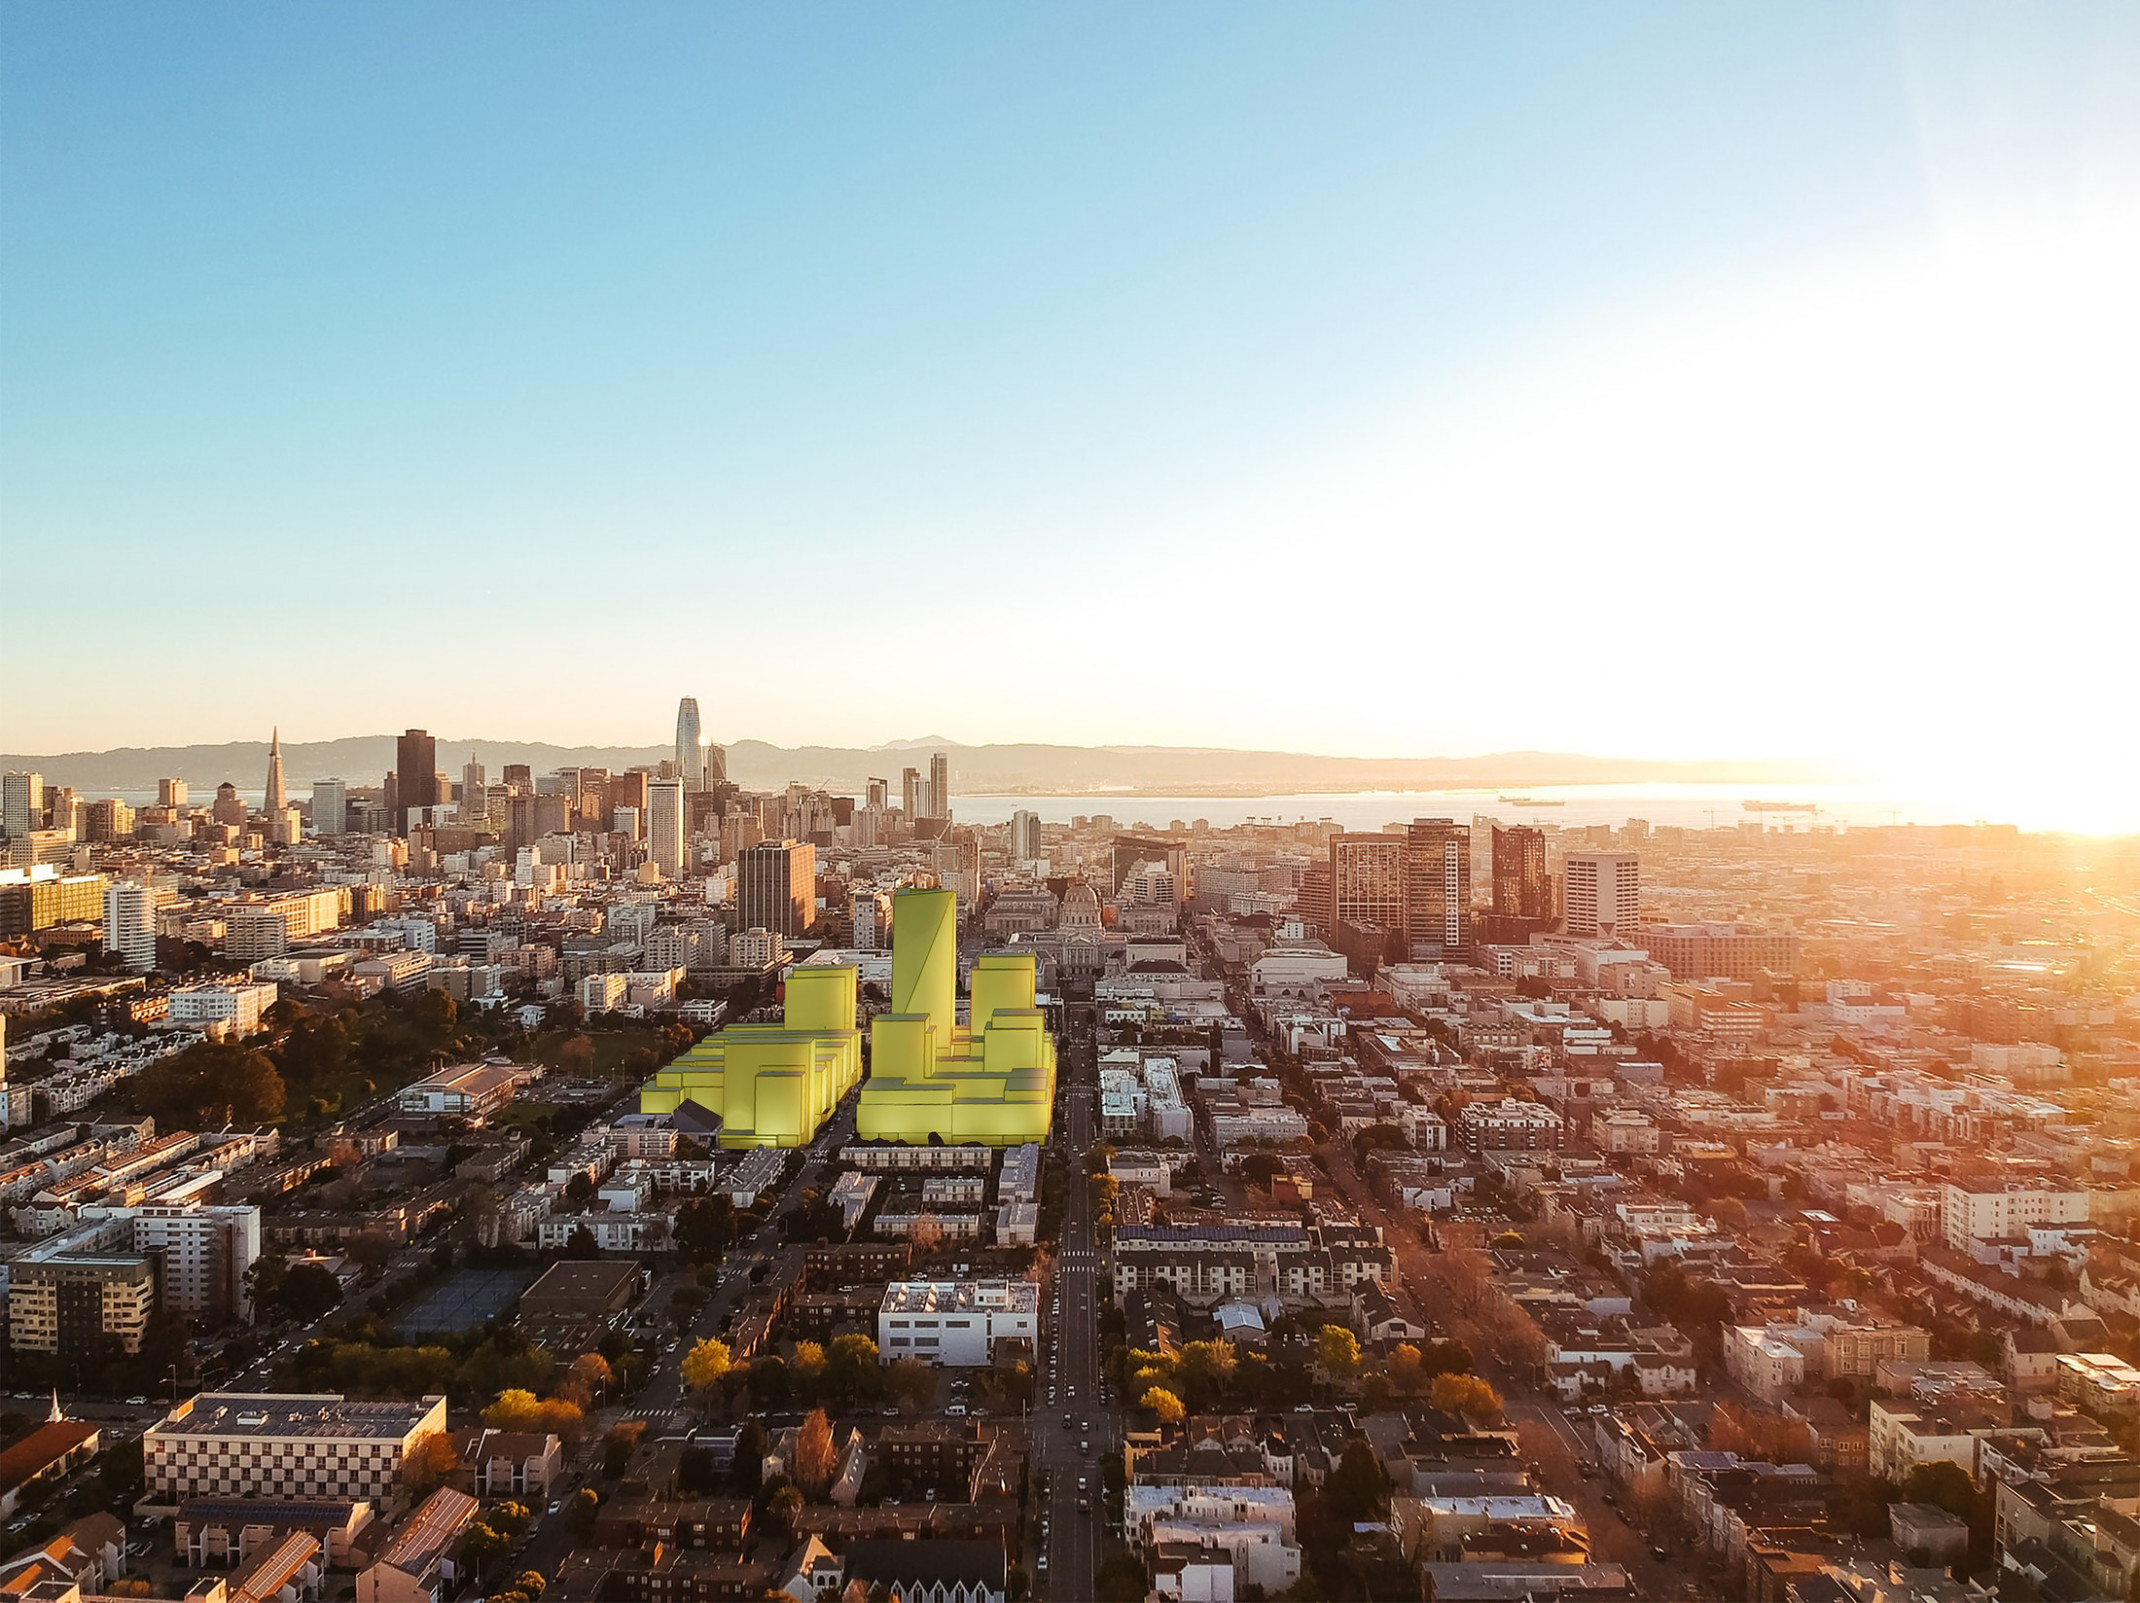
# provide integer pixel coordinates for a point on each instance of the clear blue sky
(512, 369)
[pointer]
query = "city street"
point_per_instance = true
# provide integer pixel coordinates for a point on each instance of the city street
(1071, 1451)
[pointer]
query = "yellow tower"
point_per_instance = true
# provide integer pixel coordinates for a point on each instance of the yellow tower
(992, 1081)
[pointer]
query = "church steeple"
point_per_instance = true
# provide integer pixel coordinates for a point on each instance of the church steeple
(277, 798)
(55, 1417)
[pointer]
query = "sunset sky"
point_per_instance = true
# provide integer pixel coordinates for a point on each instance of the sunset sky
(1675, 380)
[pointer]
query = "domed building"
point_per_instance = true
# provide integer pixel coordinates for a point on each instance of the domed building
(1081, 908)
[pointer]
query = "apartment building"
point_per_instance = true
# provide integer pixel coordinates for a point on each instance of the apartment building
(1252, 1525)
(228, 1009)
(62, 1304)
(1971, 1211)
(1509, 1126)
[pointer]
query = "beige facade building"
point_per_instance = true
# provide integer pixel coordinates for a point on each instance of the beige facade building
(284, 1445)
(61, 1304)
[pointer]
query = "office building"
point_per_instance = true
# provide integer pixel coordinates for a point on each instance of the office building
(284, 1446)
(776, 887)
(22, 803)
(629, 793)
(910, 788)
(130, 925)
(665, 826)
(1132, 855)
(275, 800)
(1522, 887)
(171, 793)
(1437, 887)
(228, 808)
(1727, 951)
(878, 795)
(1602, 893)
(1025, 835)
(104, 820)
(415, 776)
(940, 787)
(690, 753)
(1367, 881)
(957, 1324)
(67, 814)
(330, 806)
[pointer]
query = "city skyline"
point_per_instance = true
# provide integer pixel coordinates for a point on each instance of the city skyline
(1198, 802)
(1567, 308)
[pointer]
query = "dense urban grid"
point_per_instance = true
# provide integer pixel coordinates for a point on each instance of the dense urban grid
(599, 1185)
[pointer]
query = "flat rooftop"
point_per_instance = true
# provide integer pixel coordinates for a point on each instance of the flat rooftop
(961, 1296)
(293, 1414)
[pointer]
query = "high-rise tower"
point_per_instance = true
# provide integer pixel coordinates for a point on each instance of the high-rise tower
(776, 887)
(940, 786)
(690, 752)
(277, 800)
(1437, 887)
(416, 776)
(1522, 887)
(1603, 893)
(665, 828)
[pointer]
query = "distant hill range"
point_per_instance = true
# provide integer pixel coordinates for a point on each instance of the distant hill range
(1152, 770)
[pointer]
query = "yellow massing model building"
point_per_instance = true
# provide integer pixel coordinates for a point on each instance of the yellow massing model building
(774, 1085)
(992, 1081)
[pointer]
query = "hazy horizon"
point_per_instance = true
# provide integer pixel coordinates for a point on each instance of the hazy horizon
(1679, 382)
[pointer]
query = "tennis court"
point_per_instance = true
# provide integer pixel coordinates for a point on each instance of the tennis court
(468, 1298)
